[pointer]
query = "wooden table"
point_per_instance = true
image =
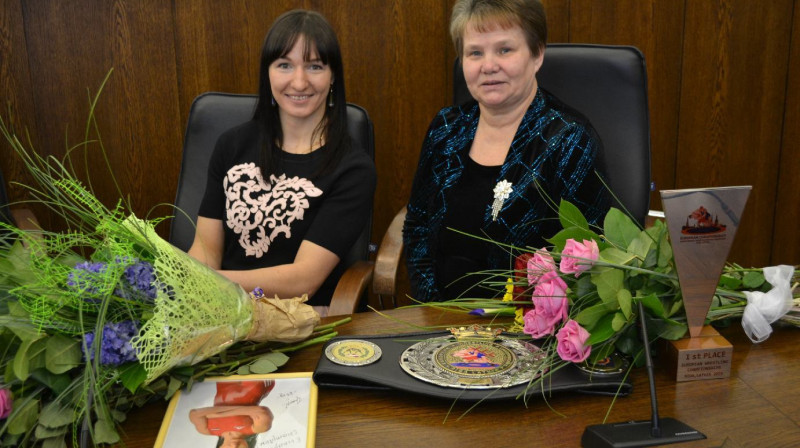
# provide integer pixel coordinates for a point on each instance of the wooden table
(759, 405)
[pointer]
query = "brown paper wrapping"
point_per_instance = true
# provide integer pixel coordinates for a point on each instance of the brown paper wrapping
(282, 320)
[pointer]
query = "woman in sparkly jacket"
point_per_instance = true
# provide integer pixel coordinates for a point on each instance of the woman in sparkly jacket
(497, 167)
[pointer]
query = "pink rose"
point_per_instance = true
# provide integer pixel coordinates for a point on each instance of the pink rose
(554, 309)
(571, 342)
(5, 403)
(537, 324)
(539, 264)
(577, 257)
(550, 285)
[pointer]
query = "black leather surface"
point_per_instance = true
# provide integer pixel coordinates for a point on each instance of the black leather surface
(386, 374)
(607, 84)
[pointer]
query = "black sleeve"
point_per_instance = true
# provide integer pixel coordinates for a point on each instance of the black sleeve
(347, 206)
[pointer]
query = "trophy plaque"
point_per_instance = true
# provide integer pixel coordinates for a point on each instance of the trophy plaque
(702, 223)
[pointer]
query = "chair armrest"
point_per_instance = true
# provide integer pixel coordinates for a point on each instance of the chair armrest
(652, 217)
(387, 260)
(351, 288)
(25, 219)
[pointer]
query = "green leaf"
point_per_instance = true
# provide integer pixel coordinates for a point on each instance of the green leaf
(174, 385)
(666, 328)
(641, 246)
(25, 358)
(608, 283)
(54, 442)
(56, 415)
(63, 353)
(676, 306)
(11, 440)
(276, 357)
(118, 416)
(21, 326)
(24, 415)
(577, 234)
(105, 432)
(729, 282)
(753, 279)
(615, 256)
(243, 370)
(618, 322)
(664, 249)
(263, 365)
(43, 432)
(624, 299)
(132, 376)
(602, 331)
(589, 317)
(571, 216)
(652, 303)
(619, 229)
(584, 287)
(57, 383)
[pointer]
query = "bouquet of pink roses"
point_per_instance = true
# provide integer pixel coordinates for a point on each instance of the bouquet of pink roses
(581, 295)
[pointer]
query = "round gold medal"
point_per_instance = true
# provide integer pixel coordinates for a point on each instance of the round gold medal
(353, 352)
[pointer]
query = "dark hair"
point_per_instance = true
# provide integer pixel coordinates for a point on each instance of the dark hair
(527, 14)
(282, 36)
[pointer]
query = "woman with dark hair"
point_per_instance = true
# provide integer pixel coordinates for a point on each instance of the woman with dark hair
(287, 195)
(498, 166)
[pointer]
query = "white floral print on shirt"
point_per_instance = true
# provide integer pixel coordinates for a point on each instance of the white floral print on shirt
(258, 212)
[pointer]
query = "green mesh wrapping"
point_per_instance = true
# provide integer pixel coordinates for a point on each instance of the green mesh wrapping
(198, 315)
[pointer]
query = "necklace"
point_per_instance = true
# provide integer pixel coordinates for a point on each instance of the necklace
(502, 191)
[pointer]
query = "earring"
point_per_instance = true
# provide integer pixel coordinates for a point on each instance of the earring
(330, 97)
(273, 100)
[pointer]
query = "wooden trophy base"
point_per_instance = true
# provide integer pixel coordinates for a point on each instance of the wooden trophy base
(705, 357)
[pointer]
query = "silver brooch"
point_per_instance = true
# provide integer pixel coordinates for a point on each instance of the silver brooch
(502, 191)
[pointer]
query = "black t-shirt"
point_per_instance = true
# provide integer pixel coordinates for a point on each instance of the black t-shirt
(265, 220)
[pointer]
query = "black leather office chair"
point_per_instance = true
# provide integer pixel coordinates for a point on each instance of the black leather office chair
(608, 84)
(211, 114)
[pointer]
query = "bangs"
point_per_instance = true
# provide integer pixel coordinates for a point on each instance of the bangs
(484, 21)
(313, 45)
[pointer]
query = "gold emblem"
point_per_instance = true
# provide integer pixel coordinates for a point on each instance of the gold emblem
(353, 352)
(473, 358)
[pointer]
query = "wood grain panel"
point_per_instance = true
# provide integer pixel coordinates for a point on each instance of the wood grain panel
(16, 100)
(732, 101)
(398, 69)
(71, 48)
(219, 45)
(786, 238)
(655, 27)
(557, 20)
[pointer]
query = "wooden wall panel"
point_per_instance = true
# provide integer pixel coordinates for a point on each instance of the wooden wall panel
(732, 102)
(219, 45)
(401, 75)
(786, 238)
(718, 73)
(71, 46)
(655, 28)
(16, 94)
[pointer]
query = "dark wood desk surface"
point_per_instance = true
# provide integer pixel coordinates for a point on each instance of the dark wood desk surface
(758, 406)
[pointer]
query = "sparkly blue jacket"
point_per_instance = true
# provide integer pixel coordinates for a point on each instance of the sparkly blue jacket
(555, 154)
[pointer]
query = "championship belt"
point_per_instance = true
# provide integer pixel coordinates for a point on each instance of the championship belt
(468, 364)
